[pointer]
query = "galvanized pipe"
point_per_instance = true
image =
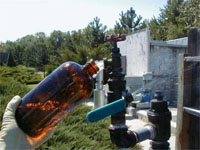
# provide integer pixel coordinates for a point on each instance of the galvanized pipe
(99, 92)
(124, 138)
(147, 132)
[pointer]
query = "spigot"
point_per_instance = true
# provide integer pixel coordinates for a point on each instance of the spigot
(158, 129)
(120, 135)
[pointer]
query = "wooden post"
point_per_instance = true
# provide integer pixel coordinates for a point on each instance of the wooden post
(180, 100)
(194, 42)
(188, 124)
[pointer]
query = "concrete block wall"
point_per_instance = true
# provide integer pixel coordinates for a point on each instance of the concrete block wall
(164, 67)
(163, 60)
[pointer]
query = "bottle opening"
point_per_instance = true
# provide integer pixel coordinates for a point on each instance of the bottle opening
(90, 68)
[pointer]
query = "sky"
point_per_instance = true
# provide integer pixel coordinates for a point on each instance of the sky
(22, 17)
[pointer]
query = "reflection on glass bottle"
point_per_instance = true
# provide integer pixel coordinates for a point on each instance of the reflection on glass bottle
(54, 97)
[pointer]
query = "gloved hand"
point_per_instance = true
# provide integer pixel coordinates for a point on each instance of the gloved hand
(12, 137)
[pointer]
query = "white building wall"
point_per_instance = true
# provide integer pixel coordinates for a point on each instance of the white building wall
(136, 48)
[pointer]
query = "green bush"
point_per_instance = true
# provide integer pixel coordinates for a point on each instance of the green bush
(50, 69)
(8, 89)
(21, 74)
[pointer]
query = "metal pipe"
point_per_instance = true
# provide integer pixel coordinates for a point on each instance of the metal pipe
(124, 138)
(99, 92)
(192, 111)
(147, 132)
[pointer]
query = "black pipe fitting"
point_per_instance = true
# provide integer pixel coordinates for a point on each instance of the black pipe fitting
(158, 95)
(122, 137)
(160, 116)
(127, 96)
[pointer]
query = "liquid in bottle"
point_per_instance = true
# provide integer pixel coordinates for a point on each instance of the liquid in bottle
(54, 97)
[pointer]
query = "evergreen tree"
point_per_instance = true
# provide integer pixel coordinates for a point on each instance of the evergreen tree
(11, 62)
(190, 14)
(95, 33)
(175, 20)
(56, 40)
(128, 22)
(158, 29)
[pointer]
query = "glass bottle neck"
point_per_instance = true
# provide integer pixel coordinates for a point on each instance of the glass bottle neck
(90, 68)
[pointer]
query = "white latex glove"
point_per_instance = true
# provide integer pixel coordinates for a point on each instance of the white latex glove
(12, 137)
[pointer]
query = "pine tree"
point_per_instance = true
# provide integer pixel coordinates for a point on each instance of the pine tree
(175, 20)
(11, 62)
(95, 33)
(128, 22)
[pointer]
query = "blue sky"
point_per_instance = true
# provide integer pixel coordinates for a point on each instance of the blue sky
(21, 17)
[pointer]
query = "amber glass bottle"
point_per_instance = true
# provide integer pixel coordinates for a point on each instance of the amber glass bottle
(54, 97)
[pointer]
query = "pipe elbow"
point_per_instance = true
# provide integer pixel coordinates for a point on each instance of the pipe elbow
(122, 137)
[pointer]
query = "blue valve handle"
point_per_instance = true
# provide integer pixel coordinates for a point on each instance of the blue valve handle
(107, 110)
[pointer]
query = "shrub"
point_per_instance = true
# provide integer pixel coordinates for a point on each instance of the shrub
(21, 74)
(50, 69)
(8, 89)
